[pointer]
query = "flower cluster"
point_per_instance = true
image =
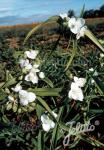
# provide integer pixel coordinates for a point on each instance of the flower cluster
(76, 25)
(76, 92)
(31, 71)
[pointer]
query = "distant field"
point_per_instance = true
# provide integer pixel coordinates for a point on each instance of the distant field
(89, 21)
(20, 26)
(94, 21)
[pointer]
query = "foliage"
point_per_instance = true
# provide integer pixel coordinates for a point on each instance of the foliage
(21, 126)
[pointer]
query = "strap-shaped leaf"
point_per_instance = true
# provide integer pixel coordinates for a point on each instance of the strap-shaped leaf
(90, 35)
(47, 22)
(46, 91)
(49, 82)
(99, 85)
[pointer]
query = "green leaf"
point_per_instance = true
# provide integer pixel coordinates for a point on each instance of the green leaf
(45, 105)
(90, 35)
(10, 80)
(39, 110)
(40, 140)
(1, 84)
(92, 141)
(42, 25)
(55, 133)
(82, 11)
(96, 111)
(72, 55)
(2, 95)
(99, 85)
(46, 91)
(49, 82)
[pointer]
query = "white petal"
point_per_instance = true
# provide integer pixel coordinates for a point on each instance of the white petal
(46, 127)
(23, 62)
(23, 102)
(23, 94)
(28, 67)
(74, 85)
(52, 124)
(31, 77)
(80, 22)
(81, 82)
(34, 80)
(31, 97)
(44, 118)
(31, 54)
(76, 94)
(17, 88)
(35, 68)
(42, 75)
(75, 79)
(81, 32)
(26, 97)
(71, 22)
(27, 77)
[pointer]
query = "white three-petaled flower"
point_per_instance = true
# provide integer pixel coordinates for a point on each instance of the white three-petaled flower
(76, 92)
(31, 54)
(76, 26)
(32, 76)
(24, 63)
(47, 123)
(26, 97)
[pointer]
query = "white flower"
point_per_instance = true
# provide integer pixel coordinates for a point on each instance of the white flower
(35, 68)
(11, 98)
(24, 63)
(42, 75)
(101, 55)
(75, 92)
(79, 81)
(81, 32)
(76, 26)
(17, 88)
(47, 123)
(32, 77)
(31, 54)
(63, 15)
(26, 97)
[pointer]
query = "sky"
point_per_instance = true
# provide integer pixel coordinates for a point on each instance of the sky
(28, 11)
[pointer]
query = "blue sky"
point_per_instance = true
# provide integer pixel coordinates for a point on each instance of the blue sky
(26, 11)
